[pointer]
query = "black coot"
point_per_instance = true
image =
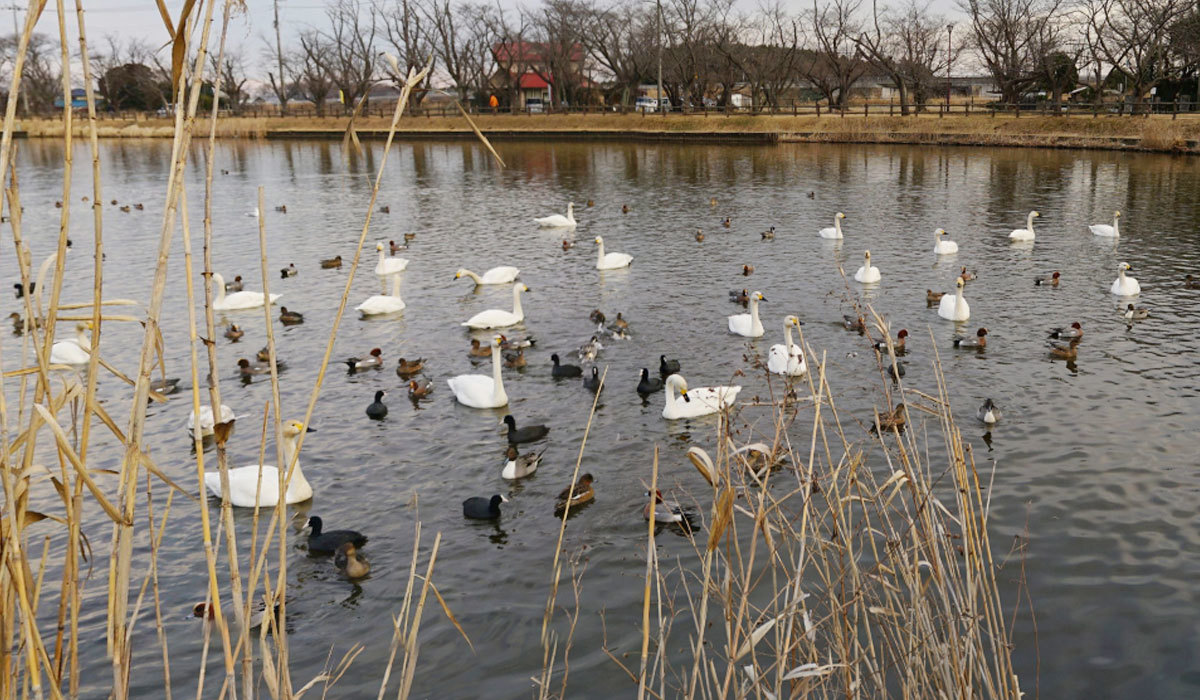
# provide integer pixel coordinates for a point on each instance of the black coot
(377, 410)
(648, 384)
(529, 433)
(564, 370)
(328, 542)
(481, 508)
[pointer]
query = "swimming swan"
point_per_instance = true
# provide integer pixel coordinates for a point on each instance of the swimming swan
(237, 300)
(954, 307)
(383, 303)
(1125, 286)
(1106, 230)
(206, 419)
(943, 247)
(834, 231)
(74, 351)
(611, 261)
(479, 391)
(1025, 234)
(868, 273)
(693, 403)
(497, 275)
(558, 220)
(748, 325)
(787, 358)
(245, 482)
(499, 318)
(388, 266)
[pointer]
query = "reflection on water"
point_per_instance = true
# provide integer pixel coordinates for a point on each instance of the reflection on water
(1094, 456)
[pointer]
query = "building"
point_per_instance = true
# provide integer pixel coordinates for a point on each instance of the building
(531, 66)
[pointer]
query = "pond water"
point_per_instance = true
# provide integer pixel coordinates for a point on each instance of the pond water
(1094, 459)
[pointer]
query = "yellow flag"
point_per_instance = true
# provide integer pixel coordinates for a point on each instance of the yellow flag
(341, 97)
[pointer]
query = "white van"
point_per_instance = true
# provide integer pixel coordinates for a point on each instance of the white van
(645, 104)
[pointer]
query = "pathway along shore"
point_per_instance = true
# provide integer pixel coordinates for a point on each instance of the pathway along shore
(1158, 133)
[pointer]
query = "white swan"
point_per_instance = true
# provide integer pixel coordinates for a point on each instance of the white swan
(1125, 286)
(558, 220)
(383, 303)
(611, 261)
(693, 403)
(73, 351)
(388, 266)
(868, 273)
(237, 300)
(787, 358)
(1106, 230)
(748, 325)
(834, 231)
(497, 275)
(263, 480)
(479, 391)
(499, 318)
(1025, 234)
(206, 419)
(941, 247)
(954, 307)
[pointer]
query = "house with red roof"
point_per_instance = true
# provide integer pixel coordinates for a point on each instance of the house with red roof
(532, 74)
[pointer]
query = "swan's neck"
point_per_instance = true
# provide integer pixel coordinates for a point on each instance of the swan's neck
(382, 256)
(220, 282)
(473, 276)
(1115, 229)
(517, 311)
(959, 303)
(1029, 222)
(396, 286)
(672, 398)
(289, 451)
(497, 380)
(82, 339)
(571, 212)
(754, 322)
(1121, 274)
(600, 254)
(787, 338)
(837, 224)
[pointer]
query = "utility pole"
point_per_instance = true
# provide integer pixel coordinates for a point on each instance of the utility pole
(949, 58)
(279, 58)
(16, 40)
(659, 106)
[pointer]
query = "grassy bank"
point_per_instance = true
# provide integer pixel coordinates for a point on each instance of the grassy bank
(1157, 133)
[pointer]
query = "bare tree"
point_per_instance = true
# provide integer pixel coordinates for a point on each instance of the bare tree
(406, 29)
(233, 79)
(1007, 36)
(312, 77)
(621, 39)
(509, 36)
(350, 54)
(834, 65)
(1134, 37)
(41, 81)
(557, 40)
(906, 46)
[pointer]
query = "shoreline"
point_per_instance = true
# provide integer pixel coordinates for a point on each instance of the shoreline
(1156, 134)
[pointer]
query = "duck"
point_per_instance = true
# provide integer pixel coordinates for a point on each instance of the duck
(787, 358)
(264, 354)
(699, 236)
(234, 332)
(932, 297)
(967, 276)
(835, 231)
(377, 409)
(742, 297)
(207, 611)
(76, 351)
(561, 371)
(282, 208)
(19, 289)
(478, 349)
(58, 204)
(19, 323)
(748, 325)
(499, 318)
(166, 385)
(620, 323)
(124, 207)
(858, 324)
(1105, 230)
(597, 316)
(497, 275)
(238, 300)
(482, 508)
(727, 222)
(868, 273)
(897, 345)
(139, 206)
(290, 318)
(385, 209)
(1125, 286)
(558, 220)
(388, 266)
(322, 542)
(589, 350)
(592, 383)
(247, 370)
(891, 420)
(235, 285)
(591, 203)
(1065, 352)
(409, 238)
(624, 208)
(747, 270)
(289, 271)
(954, 307)
(334, 263)
(407, 368)
(712, 201)
(480, 391)
(769, 234)
(943, 247)
(1135, 314)
(348, 562)
(576, 494)
(245, 483)
(1051, 281)
(373, 359)
(896, 371)
(530, 433)
(379, 304)
(566, 245)
(394, 247)
(419, 390)
(519, 466)
(1190, 282)
(1025, 234)
(979, 342)
(648, 385)
(988, 412)
(515, 360)
(206, 419)
(660, 510)
(667, 367)
(700, 401)
(1075, 330)
(610, 261)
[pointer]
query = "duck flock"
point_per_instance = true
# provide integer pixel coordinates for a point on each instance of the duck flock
(258, 484)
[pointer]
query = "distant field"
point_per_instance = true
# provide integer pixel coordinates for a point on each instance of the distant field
(1157, 133)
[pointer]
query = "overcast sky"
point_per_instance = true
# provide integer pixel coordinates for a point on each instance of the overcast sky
(140, 18)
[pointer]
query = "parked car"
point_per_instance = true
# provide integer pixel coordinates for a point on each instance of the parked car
(535, 106)
(645, 104)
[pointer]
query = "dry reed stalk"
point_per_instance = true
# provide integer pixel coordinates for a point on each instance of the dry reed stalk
(650, 561)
